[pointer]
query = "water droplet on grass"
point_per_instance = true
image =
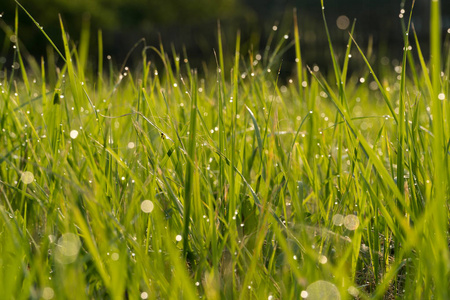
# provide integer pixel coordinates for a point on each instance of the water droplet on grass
(27, 177)
(178, 238)
(144, 295)
(304, 294)
(147, 206)
(115, 256)
(131, 145)
(323, 290)
(323, 259)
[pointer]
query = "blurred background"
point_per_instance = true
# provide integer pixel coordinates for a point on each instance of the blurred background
(192, 25)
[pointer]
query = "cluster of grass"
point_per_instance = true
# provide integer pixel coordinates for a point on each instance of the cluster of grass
(163, 184)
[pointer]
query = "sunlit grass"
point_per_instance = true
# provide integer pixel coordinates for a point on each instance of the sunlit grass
(164, 183)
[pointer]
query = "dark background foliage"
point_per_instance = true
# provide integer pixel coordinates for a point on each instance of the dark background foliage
(192, 24)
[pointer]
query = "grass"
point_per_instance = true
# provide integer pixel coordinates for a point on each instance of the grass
(330, 185)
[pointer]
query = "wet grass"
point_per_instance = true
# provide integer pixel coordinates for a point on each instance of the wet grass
(161, 183)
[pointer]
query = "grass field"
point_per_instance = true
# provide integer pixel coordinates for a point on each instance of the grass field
(166, 183)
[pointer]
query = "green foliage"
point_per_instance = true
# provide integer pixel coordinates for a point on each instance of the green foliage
(163, 183)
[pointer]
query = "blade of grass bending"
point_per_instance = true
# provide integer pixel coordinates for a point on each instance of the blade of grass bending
(220, 62)
(295, 137)
(91, 245)
(347, 55)
(70, 69)
(298, 55)
(380, 86)
(439, 216)
(234, 108)
(258, 138)
(232, 201)
(337, 72)
(41, 29)
(383, 172)
(250, 188)
(189, 180)
(100, 62)
(422, 62)
(401, 114)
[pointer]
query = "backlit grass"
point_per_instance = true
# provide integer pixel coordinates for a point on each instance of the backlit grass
(166, 183)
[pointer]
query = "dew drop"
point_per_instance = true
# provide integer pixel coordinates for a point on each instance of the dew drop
(323, 259)
(178, 238)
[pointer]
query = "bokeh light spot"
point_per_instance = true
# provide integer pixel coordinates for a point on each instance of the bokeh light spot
(147, 206)
(27, 177)
(73, 134)
(351, 222)
(343, 22)
(323, 290)
(338, 220)
(67, 248)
